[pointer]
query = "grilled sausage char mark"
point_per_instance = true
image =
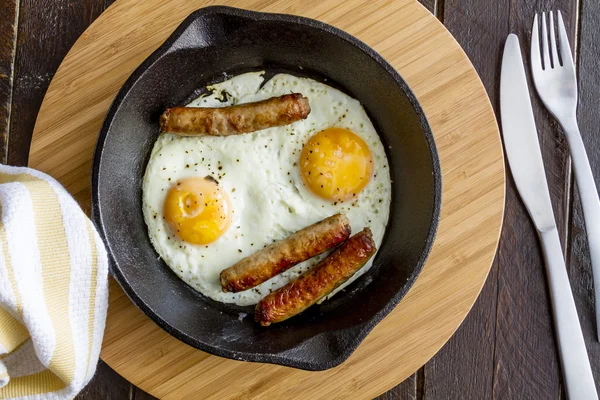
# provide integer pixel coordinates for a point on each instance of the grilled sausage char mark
(284, 254)
(318, 282)
(235, 120)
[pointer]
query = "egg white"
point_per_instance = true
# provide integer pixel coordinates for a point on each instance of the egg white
(259, 171)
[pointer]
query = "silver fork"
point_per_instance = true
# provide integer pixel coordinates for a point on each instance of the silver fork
(556, 85)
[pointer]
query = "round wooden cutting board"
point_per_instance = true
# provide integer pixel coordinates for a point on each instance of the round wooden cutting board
(467, 137)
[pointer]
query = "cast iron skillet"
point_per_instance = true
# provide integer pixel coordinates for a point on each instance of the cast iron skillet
(213, 44)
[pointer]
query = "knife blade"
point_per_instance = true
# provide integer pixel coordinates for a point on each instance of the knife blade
(527, 168)
(521, 139)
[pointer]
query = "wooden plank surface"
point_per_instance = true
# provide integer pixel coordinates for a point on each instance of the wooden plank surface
(9, 22)
(579, 265)
(47, 30)
(474, 363)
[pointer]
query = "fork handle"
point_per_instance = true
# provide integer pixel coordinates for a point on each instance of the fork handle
(579, 381)
(590, 203)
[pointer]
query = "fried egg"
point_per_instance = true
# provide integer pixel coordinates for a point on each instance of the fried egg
(210, 201)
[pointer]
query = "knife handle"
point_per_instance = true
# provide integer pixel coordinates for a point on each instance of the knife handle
(577, 372)
(589, 202)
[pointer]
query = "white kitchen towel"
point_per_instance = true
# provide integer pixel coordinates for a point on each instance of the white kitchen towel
(53, 289)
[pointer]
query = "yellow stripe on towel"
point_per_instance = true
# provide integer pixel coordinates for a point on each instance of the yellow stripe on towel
(12, 332)
(8, 266)
(93, 285)
(56, 269)
(36, 384)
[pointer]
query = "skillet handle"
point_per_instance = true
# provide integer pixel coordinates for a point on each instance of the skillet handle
(207, 26)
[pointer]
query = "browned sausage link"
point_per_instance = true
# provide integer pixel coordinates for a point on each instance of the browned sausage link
(284, 254)
(233, 120)
(318, 282)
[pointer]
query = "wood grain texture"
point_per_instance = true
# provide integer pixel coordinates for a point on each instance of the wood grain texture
(9, 21)
(461, 118)
(580, 268)
(48, 30)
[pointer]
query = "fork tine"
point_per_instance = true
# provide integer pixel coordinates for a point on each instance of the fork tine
(545, 50)
(536, 57)
(555, 61)
(565, 48)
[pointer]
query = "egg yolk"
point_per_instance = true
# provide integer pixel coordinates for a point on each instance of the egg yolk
(197, 210)
(336, 164)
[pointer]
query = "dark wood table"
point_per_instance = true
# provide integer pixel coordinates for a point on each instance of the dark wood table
(506, 347)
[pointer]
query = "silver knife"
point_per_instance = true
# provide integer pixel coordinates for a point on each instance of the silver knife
(527, 168)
